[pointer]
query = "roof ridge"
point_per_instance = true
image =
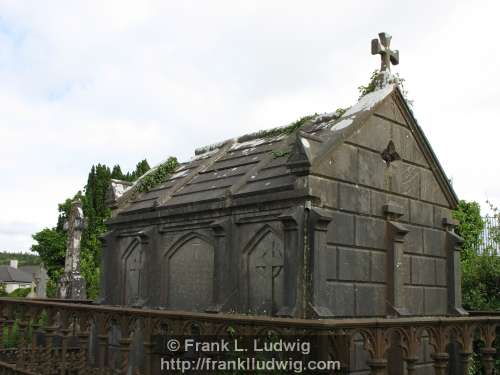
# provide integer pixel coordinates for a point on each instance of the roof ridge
(204, 149)
(263, 133)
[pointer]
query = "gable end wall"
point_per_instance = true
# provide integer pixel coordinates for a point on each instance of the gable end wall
(354, 185)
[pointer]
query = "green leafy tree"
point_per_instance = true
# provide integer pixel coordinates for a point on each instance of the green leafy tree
(24, 259)
(480, 271)
(117, 173)
(141, 168)
(96, 212)
(51, 246)
(51, 242)
(470, 226)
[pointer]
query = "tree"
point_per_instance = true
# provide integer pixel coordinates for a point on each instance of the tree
(480, 271)
(117, 173)
(51, 246)
(470, 226)
(96, 212)
(51, 242)
(141, 168)
(23, 259)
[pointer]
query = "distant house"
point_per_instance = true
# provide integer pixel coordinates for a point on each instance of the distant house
(13, 278)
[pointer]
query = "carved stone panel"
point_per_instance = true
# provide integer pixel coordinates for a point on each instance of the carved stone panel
(134, 261)
(190, 274)
(266, 274)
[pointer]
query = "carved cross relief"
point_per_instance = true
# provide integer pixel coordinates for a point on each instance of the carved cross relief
(270, 262)
(266, 275)
(135, 269)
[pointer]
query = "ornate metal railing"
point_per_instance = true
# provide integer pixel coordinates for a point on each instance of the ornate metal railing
(40, 337)
(489, 239)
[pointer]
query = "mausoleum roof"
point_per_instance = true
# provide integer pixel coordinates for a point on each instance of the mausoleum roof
(254, 163)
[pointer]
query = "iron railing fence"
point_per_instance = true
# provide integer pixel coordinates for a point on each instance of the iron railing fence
(490, 237)
(41, 337)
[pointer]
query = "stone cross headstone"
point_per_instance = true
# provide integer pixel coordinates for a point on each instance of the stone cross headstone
(32, 293)
(72, 284)
(383, 48)
(41, 279)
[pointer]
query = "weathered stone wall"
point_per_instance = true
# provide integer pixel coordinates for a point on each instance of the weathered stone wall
(354, 185)
(208, 261)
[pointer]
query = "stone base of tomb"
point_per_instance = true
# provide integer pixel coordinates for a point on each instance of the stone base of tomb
(72, 286)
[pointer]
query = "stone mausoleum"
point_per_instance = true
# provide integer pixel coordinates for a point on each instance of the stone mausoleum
(336, 230)
(345, 214)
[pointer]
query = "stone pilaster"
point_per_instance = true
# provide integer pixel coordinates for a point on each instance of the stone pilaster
(453, 247)
(396, 233)
(106, 240)
(318, 224)
(293, 262)
(224, 280)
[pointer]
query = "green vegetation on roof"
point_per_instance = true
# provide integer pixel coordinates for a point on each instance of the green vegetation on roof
(339, 112)
(376, 81)
(280, 153)
(284, 130)
(157, 176)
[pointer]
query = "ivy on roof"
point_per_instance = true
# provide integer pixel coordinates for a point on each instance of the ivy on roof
(377, 80)
(157, 176)
(339, 112)
(281, 130)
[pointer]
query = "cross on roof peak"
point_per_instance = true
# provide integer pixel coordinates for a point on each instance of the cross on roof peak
(383, 48)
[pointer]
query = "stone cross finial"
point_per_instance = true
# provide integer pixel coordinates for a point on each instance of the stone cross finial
(383, 48)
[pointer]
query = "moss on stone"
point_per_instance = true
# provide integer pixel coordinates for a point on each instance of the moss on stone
(280, 153)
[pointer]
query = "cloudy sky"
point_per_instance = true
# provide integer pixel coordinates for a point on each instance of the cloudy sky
(83, 82)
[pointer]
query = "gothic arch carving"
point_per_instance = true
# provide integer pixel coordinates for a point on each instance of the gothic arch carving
(263, 272)
(133, 266)
(188, 267)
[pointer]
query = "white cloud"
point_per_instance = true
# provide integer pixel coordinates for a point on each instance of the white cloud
(118, 81)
